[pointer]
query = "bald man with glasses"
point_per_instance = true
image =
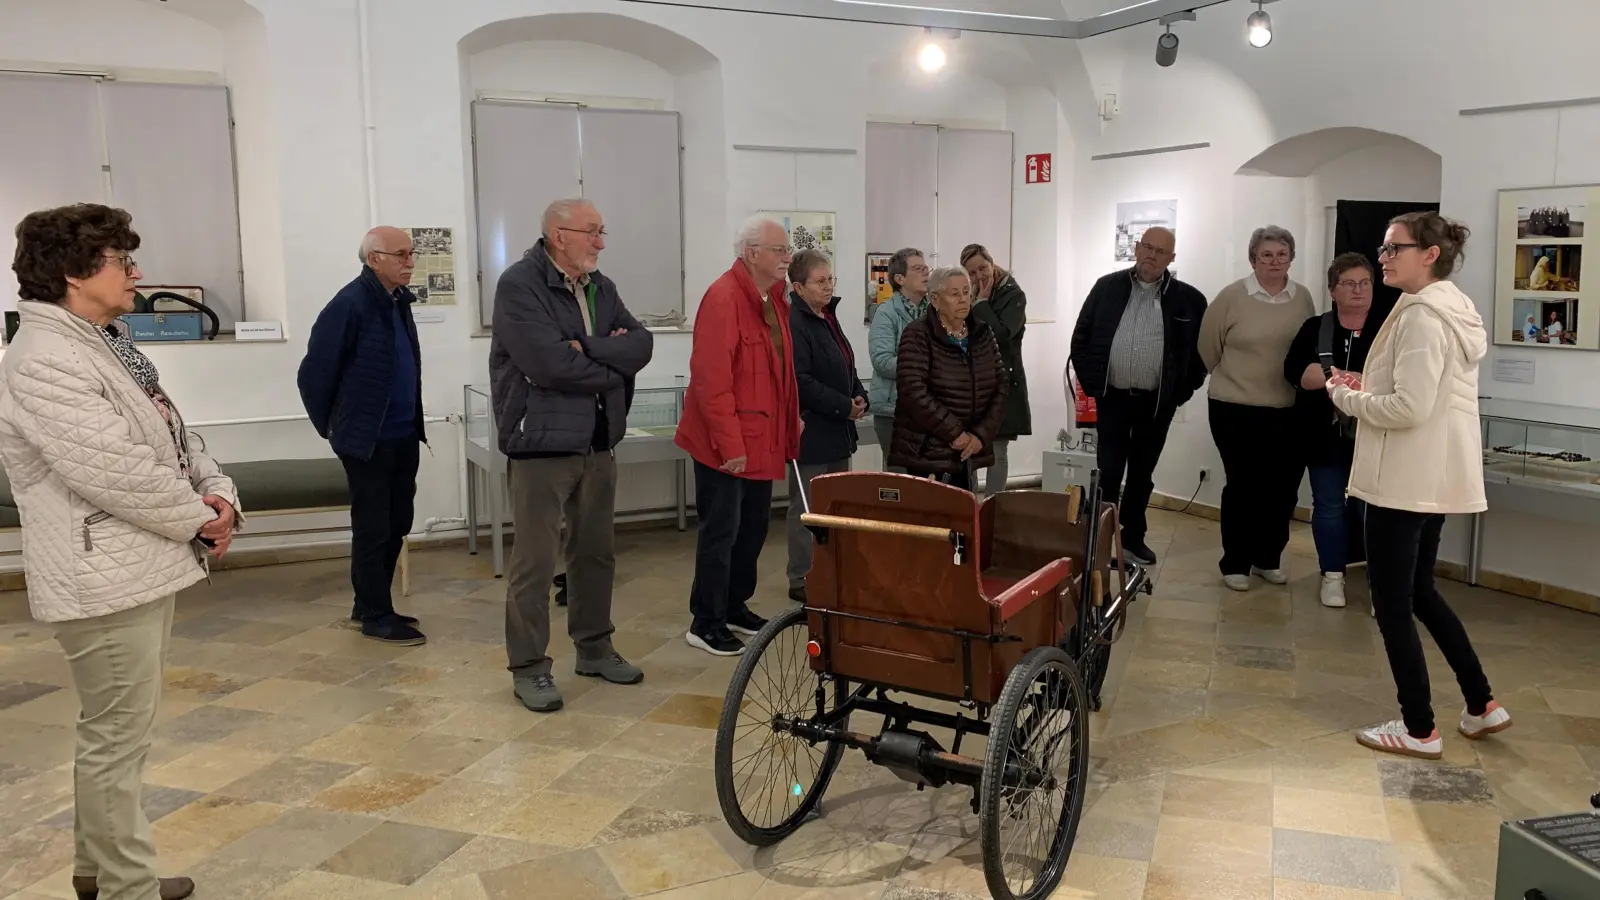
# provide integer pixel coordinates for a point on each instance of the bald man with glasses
(1135, 350)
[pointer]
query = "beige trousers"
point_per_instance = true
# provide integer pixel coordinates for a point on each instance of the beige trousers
(116, 664)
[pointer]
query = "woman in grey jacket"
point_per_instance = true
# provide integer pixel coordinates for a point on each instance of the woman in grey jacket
(118, 512)
(908, 273)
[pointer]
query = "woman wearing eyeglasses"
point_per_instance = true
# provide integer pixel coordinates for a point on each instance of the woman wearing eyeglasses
(1339, 337)
(118, 513)
(1244, 337)
(1419, 457)
(831, 396)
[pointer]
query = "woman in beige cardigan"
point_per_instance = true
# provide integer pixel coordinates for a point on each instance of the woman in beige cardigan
(118, 513)
(1419, 457)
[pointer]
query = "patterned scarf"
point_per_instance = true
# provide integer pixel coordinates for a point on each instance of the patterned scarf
(144, 371)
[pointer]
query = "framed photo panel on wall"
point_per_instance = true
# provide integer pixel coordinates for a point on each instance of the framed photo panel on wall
(1542, 295)
(878, 288)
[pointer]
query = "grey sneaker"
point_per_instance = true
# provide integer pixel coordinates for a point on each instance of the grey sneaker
(538, 692)
(612, 667)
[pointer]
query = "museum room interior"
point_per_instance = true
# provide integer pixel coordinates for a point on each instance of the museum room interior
(1215, 723)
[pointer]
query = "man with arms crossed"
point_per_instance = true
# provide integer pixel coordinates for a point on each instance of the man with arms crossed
(562, 363)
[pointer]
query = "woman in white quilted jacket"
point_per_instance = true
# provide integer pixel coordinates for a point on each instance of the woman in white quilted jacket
(1418, 458)
(118, 513)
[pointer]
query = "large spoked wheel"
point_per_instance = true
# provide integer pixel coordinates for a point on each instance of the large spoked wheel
(1034, 775)
(768, 779)
(1093, 665)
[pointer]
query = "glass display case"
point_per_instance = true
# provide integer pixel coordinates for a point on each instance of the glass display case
(1541, 444)
(657, 406)
(477, 416)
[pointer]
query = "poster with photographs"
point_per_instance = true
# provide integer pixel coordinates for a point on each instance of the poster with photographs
(1133, 218)
(1541, 291)
(879, 290)
(434, 278)
(807, 230)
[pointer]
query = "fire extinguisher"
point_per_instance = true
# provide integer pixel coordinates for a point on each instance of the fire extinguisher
(1084, 415)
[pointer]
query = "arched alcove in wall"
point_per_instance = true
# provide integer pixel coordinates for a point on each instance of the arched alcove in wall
(603, 61)
(1298, 182)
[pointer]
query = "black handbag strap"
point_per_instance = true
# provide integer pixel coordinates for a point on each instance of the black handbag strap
(1325, 338)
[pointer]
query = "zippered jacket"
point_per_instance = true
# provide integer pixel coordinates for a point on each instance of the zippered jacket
(109, 520)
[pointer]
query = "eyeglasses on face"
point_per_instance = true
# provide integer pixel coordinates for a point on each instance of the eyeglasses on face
(123, 260)
(1364, 284)
(920, 270)
(590, 233)
(1153, 249)
(1394, 249)
(402, 255)
(825, 281)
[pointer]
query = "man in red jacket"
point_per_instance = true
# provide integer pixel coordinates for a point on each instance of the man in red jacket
(741, 425)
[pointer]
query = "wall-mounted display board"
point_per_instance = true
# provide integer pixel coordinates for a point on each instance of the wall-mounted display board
(1542, 295)
(879, 290)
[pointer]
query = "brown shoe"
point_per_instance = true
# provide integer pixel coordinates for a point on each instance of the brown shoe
(171, 888)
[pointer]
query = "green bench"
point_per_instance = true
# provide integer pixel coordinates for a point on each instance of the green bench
(269, 487)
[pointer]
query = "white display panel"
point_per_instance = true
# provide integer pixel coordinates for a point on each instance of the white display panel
(974, 193)
(171, 153)
(902, 186)
(52, 156)
(528, 155)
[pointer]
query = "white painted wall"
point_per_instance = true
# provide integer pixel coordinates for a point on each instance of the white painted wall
(1244, 101)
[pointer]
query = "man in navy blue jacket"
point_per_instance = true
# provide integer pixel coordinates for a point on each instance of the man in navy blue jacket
(361, 382)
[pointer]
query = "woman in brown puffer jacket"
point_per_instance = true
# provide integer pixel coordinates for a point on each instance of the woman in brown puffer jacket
(952, 387)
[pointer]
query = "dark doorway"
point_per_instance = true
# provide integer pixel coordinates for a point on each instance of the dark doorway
(1359, 229)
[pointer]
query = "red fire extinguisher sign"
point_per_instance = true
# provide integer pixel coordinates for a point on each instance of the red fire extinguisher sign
(1038, 168)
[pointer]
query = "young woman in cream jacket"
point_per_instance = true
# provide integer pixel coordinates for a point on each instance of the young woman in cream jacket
(118, 513)
(1418, 458)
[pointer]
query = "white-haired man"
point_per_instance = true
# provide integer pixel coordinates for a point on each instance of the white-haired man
(361, 383)
(741, 425)
(562, 365)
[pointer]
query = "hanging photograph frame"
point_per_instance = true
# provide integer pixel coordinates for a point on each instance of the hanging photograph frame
(1542, 298)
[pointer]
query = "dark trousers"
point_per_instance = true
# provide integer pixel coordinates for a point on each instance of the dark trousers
(1131, 432)
(1402, 548)
(582, 490)
(1262, 474)
(383, 493)
(961, 478)
(733, 514)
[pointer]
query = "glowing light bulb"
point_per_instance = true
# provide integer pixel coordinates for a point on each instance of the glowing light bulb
(931, 58)
(1259, 26)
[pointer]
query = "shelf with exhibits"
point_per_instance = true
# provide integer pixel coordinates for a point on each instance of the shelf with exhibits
(1556, 446)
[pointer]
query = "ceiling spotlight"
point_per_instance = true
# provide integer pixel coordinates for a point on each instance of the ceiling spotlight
(1167, 48)
(931, 57)
(1259, 28)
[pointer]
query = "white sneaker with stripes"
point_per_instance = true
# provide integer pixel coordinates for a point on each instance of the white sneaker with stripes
(1494, 720)
(1392, 737)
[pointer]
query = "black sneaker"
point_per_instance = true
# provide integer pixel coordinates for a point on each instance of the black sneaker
(1136, 551)
(719, 643)
(560, 582)
(745, 622)
(393, 631)
(409, 620)
(797, 594)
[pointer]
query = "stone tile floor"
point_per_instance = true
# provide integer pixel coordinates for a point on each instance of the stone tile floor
(296, 760)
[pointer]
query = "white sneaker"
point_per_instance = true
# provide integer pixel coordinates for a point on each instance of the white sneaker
(1494, 720)
(1333, 590)
(1237, 582)
(1272, 576)
(1392, 737)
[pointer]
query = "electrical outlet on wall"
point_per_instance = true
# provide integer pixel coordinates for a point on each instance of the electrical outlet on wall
(1205, 474)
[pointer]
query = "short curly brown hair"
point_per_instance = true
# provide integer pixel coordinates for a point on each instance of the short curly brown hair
(53, 244)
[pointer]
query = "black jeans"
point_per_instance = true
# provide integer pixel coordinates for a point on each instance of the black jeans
(1402, 548)
(1131, 432)
(383, 493)
(733, 515)
(1262, 483)
(961, 478)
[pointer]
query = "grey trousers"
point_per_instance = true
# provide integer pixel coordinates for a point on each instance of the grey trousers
(583, 490)
(884, 426)
(799, 535)
(994, 479)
